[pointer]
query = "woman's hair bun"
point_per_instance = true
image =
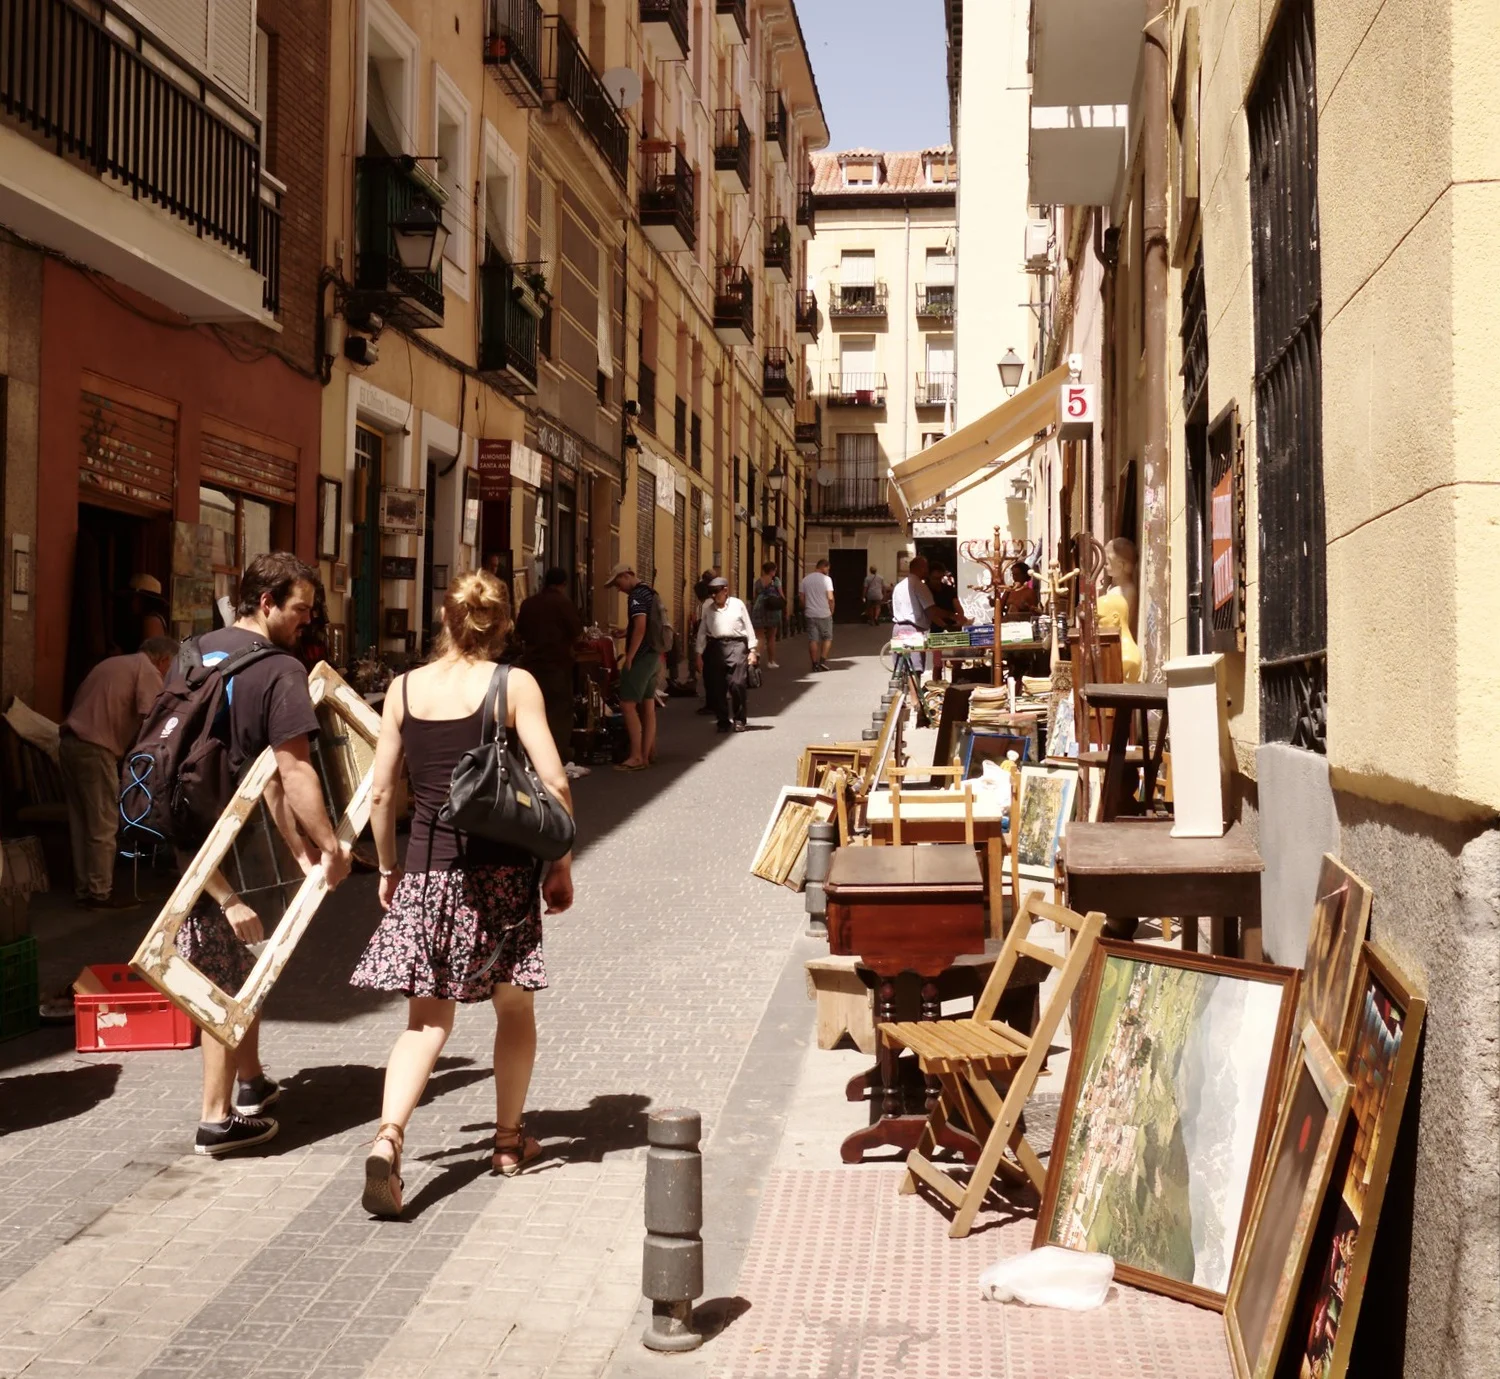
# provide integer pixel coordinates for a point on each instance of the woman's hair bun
(476, 616)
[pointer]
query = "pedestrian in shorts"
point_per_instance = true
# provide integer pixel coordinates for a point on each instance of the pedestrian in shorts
(817, 608)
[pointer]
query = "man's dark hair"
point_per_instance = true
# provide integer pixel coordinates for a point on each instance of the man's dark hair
(275, 573)
(556, 575)
(822, 563)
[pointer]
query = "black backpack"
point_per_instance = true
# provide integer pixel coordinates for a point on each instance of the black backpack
(175, 781)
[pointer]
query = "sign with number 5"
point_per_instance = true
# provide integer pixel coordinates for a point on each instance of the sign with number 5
(1077, 411)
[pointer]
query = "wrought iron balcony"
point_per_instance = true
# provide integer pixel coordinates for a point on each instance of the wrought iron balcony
(935, 389)
(569, 78)
(734, 305)
(385, 189)
(269, 249)
(776, 380)
(97, 99)
(731, 150)
(806, 215)
(850, 497)
(667, 206)
(857, 300)
(862, 389)
(935, 301)
(734, 22)
(513, 48)
(776, 127)
(778, 249)
(509, 310)
(666, 22)
(807, 317)
(645, 397)
(809, 426)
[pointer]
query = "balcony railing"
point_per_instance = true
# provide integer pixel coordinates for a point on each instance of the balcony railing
(680, 428)
(935, 389)
(269, 248)
(570, 79)
(733, 19)
(776, 381)
(861, 389)
(385, 189)
(779, 248)
(667, 192)
(734, 302)
(849, 496)
(857, 299)
(513, 48)
(99, 101)
(806, 311)
(806, 216)
(695, 442)
(809, 425)
(732, 145)
(776, 126)
(645, 397)
(507, 328)
(935, 300)
(673, 15)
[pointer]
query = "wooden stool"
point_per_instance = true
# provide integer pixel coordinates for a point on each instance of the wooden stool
(845, 1004)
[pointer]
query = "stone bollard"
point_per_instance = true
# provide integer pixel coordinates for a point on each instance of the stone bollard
(822, 839)
(672, 1258)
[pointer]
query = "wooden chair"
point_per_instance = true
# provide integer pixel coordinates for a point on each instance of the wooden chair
(974, 1059)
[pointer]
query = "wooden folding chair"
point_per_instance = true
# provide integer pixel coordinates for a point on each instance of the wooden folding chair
(974, 1058)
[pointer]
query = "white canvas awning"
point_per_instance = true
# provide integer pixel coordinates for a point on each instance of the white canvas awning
(919, 478)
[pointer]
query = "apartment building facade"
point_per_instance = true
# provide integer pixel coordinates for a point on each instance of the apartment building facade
(161, 247)
(1293, 318)
(880, 283)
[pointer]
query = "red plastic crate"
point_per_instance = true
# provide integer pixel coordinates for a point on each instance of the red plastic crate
(129, 1014)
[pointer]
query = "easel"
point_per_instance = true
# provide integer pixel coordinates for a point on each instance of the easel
(996, 556)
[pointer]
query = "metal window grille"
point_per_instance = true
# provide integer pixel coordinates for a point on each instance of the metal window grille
(1288, 380)
(645, 524)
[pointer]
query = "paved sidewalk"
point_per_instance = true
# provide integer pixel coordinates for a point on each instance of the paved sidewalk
(121, 1254)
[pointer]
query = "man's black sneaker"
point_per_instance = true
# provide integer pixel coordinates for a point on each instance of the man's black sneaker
(257, 1095)
(238, 1132)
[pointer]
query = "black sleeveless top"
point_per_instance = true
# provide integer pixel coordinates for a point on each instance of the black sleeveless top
(433, 747)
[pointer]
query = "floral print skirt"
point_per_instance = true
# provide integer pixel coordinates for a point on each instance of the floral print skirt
(456, 935)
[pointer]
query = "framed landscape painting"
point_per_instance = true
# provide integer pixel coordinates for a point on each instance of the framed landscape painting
(1048, 794)
(1264, 1289)
(1381, 1037)
(1341, 914)
(1169, 1105)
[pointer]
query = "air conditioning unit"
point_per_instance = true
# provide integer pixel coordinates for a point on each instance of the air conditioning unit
(1038, 245)
(774, 534)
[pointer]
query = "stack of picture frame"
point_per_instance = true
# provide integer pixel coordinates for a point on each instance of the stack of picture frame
(781, 855)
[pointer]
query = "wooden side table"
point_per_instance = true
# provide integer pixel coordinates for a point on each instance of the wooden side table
(903, 909)
(1134, 867)
(1125, 702)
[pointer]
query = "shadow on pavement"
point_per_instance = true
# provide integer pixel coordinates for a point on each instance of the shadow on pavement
(36, 1099)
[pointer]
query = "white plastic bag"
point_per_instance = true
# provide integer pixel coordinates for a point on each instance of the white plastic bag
(995, 779)
(1050, 1277)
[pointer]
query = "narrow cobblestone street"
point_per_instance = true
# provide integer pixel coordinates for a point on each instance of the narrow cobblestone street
(123, 1254)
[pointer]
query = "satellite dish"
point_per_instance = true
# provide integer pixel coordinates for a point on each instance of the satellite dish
(826, 475)
(624, 85)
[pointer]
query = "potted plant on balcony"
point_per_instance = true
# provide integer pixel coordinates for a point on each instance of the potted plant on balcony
(530, 291)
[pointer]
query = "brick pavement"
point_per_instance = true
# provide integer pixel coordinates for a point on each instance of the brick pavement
(121, 1254)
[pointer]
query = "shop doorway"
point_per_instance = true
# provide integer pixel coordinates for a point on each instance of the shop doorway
(112, 547)
(847, 570)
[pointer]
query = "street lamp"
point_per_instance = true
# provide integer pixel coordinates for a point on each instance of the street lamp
(776, 479)
(420, 238)
(1011, 368)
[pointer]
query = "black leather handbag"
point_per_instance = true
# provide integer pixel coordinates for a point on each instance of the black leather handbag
(496, 793)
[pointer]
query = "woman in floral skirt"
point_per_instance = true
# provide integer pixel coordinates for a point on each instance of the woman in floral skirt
(462, 916)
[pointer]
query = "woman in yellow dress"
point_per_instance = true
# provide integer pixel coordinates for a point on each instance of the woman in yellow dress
(1116, 608)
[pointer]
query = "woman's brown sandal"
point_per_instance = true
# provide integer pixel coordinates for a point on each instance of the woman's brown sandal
(511, 1157)
(382, 1196)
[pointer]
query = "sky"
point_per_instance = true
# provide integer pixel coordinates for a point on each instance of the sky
(882, 70)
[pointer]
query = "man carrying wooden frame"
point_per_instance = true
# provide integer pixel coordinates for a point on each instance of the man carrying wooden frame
(269, 706)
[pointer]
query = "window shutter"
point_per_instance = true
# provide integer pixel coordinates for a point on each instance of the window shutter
(857, 268)
(605, 336)
(181, 24)
(231, 46)
(549, 235)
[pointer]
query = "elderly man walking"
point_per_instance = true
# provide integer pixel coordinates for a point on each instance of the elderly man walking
(108, 710)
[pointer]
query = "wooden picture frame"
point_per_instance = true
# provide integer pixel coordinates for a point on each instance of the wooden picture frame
(982, 745)
(1062, 731)
(395, 624)
(402, 511)
(1115, 1108)
(338, 645)
(1314, 1108)
(243, 841)
(820, 757)
(339, 580)
(1049, 795)
(1335, 939)
(330, 518)
(884, 744)
(1380, 1042)
(781, 855)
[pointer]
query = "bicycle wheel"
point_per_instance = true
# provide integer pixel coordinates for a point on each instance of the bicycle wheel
(888, 658)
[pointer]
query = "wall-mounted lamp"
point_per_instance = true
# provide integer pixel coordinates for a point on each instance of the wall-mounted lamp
(776, 479)
(420, 238)
(1011, 368)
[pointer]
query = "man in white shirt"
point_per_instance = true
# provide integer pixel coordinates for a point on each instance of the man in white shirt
(725, 649)
(912, 604)
(817, 608)
(874, 596)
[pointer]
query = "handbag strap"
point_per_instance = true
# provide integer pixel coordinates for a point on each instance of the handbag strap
(496, 710)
